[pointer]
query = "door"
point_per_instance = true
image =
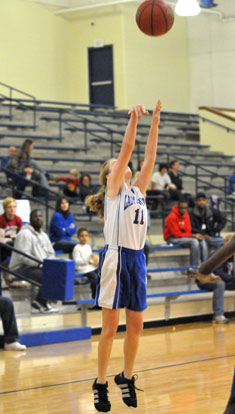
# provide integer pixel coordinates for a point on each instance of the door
(101, 87)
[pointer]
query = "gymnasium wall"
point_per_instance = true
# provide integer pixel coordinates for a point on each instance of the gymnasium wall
(145, 68)
(104, 24)
(34, 49)
(156, 66)
(211, 55)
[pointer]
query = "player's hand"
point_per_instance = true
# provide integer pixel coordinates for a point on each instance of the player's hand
(195, 274)
(138, 111)
(156, 112)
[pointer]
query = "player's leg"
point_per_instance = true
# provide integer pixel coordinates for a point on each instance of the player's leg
(110, 318)
(126, 380)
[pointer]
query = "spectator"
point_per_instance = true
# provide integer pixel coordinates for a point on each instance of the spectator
(86, 188)
(139, 166)
(177, 181)
(231, 184)
(178, 231)
(161, 182)
(72, 183)
(63, 227)
(11, 335)
(10, 225)
(21, 163)
(207, 224)
(226, 270)
(34, 242)
(6, 158)
(86, 262)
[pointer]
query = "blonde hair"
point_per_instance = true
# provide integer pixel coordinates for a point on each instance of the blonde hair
(96, 201)
(8, 201)
(74, 171)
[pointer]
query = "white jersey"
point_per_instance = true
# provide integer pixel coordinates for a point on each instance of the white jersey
(125, 219)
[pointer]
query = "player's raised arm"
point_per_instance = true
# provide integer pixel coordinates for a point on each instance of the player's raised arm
(115, 179)
(145, 174)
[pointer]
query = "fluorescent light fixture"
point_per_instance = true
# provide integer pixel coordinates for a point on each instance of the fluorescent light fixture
(187, 8)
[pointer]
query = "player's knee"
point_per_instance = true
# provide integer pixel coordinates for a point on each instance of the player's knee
(135, 328)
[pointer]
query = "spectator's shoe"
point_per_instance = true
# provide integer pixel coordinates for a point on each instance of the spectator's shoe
(47, 308)
(230, 409)
(220, 319)
(128, 388)
(14, 346)
(101, 399)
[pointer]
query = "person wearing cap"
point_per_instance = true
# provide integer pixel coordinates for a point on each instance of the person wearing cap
(207, 224)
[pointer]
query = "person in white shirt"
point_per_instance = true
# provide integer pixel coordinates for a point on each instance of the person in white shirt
(161, 183)
(86, 262)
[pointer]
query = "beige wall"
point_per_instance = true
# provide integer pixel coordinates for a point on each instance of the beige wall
(218, 138)
(34, 49)
(156, 66)
(107, 27)
(46, 55)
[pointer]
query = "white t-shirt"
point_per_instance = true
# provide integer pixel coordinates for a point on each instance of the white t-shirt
(161, 180)
(82, 256)
(125, 218)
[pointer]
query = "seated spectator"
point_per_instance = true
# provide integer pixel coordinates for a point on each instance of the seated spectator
(11, 335)
(72, 183)
(178, 231)
(86, 262)
(63, 227)
(161, 182)
(34, 242)
(22, 164)
(231, 184)
(139, 166)
(10, 225)
(207, 224)
(86, 188)
(177, 181)
(226, 270)
(6, 158)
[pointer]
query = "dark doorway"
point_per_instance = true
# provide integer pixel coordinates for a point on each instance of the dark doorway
(101, 88)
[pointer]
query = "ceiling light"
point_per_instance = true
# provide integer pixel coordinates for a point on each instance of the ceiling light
(187, 8)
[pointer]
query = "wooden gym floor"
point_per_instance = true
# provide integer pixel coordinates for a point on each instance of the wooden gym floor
(185, 369)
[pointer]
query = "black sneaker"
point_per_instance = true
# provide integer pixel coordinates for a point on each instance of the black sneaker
(101, 400)
(230, 409)
(128, 389)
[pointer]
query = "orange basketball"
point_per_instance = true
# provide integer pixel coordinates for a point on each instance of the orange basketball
(155, 17)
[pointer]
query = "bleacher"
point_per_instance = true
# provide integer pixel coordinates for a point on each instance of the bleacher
(69, 127)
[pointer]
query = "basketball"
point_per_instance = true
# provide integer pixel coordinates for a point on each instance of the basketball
(155, 17)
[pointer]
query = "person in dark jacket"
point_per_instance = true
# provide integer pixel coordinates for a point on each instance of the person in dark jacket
(178, 182)
(226, 270)
(63, 227)
(207, 224)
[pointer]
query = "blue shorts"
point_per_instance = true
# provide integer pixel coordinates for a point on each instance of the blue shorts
(122, 279)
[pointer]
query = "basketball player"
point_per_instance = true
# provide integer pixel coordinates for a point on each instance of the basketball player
(122, 266)
(204, 275)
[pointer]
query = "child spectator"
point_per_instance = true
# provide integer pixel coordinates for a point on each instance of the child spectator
(72, 183)
(86, 262)
(6, 158)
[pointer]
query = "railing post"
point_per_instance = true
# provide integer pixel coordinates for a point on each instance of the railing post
(85, 133)
(60, 124)
(111, 144)
(46, 210)
(34, 115)
(10, 107)
(196, 179)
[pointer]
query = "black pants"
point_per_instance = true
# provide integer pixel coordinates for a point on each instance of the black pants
(7, 314)
(35, 274)
(93, 279)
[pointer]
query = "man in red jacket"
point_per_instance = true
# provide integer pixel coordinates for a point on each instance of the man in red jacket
(178, 231)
